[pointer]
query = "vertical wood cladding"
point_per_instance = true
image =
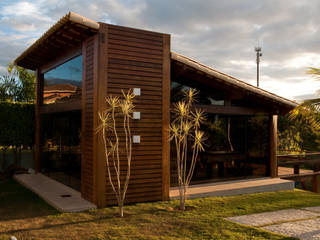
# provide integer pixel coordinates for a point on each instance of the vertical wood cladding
(135, 60)
(88, 162)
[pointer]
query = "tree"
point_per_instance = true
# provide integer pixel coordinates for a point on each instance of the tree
(110, 119)
(18, 84)
(300, 130)
(26, 82)
(8, 88)
(185, 131)
(309, 110)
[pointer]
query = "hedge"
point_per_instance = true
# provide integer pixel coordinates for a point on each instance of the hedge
(16, 124)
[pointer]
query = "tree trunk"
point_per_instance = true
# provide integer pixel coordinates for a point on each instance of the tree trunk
(183, 199)
(121, 209)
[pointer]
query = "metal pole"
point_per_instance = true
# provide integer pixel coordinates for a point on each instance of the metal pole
(259, 54)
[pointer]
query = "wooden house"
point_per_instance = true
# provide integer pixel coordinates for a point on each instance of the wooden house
(93, 60)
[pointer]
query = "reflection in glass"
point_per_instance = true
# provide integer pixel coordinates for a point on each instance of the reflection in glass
(63, 83)
(206, 95)
(61, 158)
(236, 146)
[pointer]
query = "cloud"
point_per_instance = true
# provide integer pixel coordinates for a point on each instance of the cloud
(20, 9)
(221, 34)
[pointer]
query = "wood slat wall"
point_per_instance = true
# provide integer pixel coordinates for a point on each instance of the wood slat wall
(87, 139)
(136, 59)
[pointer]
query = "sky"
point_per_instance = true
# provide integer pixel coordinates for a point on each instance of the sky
(220, 34)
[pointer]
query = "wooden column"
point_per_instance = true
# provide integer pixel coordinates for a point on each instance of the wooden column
(39, 97)
(101, 92)
(166, 118)
(316, 184)
(273, 145)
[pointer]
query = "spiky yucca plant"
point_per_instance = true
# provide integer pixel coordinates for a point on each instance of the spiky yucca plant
(117, 108)
(185, 129)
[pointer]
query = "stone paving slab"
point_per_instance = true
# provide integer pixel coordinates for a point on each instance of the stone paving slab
(268, 218)
(305, 230)
(60, 196)
(237, 187)
(313, 209)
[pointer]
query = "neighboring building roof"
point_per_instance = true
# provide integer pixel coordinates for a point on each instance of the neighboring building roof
(68, 32)
(231, 80)
(60, 88)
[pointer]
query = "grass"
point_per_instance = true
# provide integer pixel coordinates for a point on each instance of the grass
(25, 216)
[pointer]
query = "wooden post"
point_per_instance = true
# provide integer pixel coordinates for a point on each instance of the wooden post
(101, 93)
(39, 97)
(273, 145)
(296, 169)
(316, 184)
(166, 118)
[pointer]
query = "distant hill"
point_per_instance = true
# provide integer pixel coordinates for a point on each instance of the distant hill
(57, 81)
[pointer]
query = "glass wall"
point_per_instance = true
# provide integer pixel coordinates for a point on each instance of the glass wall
(61, 153)
(236, 146)
(61, 157)
(63, 83)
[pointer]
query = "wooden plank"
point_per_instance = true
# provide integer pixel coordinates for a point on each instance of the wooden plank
(101, 92)
(133, 57)
(135, 40)
(126, 66)
(137, 33)
(38, 131)
(135, 73)
(142, 50)
(230, 110)
(95, 115)
(84, 153)
(128, 53)
(125, 88)
(142, 65)
(301, 176)
(119, 85)
(118, 40)
(166, 118)
(316, 184)
(88, 167)
(273, 123)
(146, 81)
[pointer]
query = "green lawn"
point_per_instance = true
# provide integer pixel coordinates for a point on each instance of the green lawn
(25, 216)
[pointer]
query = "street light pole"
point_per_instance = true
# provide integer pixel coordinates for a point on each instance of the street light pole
(259, 54)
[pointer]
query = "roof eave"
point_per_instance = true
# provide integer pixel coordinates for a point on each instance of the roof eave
(231, 80)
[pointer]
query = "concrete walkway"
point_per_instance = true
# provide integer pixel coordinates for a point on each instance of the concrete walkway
(237, 187)
(300, 223)
(62, 197)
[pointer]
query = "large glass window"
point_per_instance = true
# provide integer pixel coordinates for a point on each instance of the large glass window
(236, 147)
(206, 95)
(61, 158)
(63, 83)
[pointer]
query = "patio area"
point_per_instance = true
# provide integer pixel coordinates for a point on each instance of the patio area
(237, 187)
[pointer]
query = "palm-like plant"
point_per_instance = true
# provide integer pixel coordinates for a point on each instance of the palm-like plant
(117, 108)
(309, 110)
(184, 129)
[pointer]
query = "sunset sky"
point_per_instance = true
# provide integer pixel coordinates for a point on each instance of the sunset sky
(220, 34)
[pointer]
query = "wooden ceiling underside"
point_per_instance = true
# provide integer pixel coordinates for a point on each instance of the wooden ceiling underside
(63, 36)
